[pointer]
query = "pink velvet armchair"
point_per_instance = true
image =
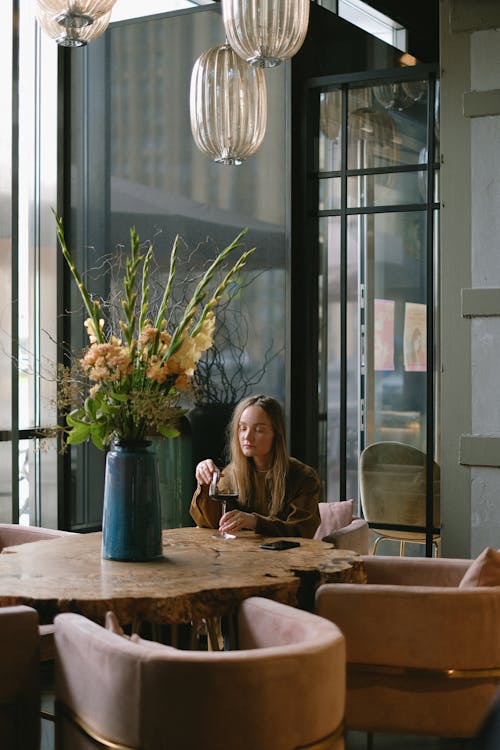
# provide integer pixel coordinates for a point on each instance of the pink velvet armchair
(423, 651)
(20, 683)
(283, 689)
(341, 528)
(12, 534)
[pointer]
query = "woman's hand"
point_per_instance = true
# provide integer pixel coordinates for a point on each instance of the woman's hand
(205, 471)
(237, 520)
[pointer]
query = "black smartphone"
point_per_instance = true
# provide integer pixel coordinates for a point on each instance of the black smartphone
(280, 544)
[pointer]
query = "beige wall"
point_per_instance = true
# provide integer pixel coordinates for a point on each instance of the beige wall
(470, 275)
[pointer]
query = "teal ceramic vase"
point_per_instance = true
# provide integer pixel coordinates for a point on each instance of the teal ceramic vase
(175, 468)
(131, 522)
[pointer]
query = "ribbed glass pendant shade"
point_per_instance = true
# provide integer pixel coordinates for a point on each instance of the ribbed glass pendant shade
(228, 104)
(265, 32)
(72, 36)
(400, 95)
(74, 14)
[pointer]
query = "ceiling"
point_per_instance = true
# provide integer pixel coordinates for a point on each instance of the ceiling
(422, 21)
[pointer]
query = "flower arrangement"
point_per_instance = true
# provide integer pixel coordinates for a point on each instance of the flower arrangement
(135, 373)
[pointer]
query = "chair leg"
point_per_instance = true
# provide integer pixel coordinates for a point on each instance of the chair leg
(193, 636)
(375, 544)
(402, 548)
(369, 741)
(231, 635)
(136, 625)
(215, 640)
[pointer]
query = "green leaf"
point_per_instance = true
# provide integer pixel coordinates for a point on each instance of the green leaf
(98, 434)
(121, 397)
(92, 307)
(97, 440)
(169, 432)
(76, 418)
(78, 434)
(90, 407)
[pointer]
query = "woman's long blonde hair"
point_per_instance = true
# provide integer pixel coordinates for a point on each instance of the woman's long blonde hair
(243, 469)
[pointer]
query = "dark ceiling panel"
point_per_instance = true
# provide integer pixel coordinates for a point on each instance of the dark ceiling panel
(422, 21)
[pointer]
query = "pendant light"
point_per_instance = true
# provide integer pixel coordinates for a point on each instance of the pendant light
(400, 95)
(265, 32)
(73, 23)
(330, 109)
(72, 36)
(228, 105)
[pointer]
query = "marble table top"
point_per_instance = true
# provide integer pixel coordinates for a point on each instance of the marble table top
(197, 577)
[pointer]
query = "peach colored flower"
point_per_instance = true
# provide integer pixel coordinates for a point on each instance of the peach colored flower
(205, 335)
(185, 358)
(148, 335)
(91, 332)
(157, 370)
(181, 382)
(108, 362)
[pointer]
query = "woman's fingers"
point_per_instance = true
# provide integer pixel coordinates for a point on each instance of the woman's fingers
(229, 521)
(205, 470)
(236, 520)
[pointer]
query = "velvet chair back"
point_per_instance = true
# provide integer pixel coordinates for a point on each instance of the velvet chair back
(20, 683)
(284, 689)
(12, 534)
(423, 653)
(341, 528)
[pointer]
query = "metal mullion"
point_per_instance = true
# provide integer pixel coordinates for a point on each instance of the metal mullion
(36, 416)
(321, 271)
(63, 281)
(343, 305)
(372, 77)
(366, 211)
(429, 506)
(84, 466)
(402, 168)
(14, 266)
(361, 171)
(387, 209)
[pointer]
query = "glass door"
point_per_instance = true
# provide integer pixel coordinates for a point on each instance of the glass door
(377, 193)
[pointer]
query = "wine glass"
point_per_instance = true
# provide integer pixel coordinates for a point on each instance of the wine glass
(222, 496)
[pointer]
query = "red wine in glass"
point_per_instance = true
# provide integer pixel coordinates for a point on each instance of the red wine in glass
(226, 497)
(223, 497)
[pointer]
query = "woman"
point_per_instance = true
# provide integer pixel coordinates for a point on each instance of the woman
(278, 495)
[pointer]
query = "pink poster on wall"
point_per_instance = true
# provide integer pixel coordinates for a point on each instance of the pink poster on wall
(415, 337)
(383, 355)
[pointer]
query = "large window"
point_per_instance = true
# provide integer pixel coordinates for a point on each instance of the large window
(28, 170)
(128, 158)
(133, 161)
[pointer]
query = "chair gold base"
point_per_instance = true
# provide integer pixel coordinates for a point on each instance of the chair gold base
(451, 673)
